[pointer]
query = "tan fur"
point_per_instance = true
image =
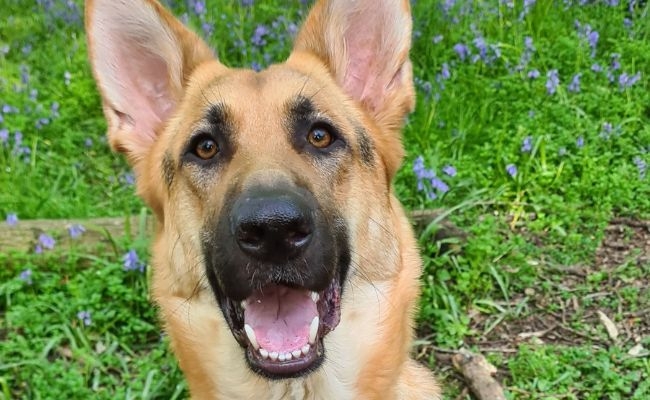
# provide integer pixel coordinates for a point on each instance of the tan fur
(368, 353)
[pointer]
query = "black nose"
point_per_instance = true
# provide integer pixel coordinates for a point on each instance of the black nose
(272, 226)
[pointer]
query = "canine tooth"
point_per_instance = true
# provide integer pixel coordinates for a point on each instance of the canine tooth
(251, 336)
(287, 356)
(296, 353)
(313, 330)
(273, 355)
(305, 349)
(243, 304)
(314, 296)
(264, 353)
(281, 357)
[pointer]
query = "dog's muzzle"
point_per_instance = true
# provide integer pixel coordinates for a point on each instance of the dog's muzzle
(276, 263)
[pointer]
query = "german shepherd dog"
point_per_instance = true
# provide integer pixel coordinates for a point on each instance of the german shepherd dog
(283, 264)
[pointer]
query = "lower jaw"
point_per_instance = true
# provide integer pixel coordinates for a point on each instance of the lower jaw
(287, 369)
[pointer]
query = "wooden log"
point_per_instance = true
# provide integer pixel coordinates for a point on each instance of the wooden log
(24, 235)
(479, 375)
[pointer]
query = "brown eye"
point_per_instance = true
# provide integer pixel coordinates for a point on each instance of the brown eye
(320, 138)
(206, 149)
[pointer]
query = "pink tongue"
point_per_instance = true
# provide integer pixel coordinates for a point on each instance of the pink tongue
(280, 317)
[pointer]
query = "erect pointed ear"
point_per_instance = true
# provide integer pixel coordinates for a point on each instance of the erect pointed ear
(141, 58)
(365, 45)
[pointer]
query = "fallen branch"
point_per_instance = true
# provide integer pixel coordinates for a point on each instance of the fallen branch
(24, 235)
(479, 375)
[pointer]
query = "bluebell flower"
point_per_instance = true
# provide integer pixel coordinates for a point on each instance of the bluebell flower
(76, 230)
(437, 39)
(12, 219)
(552, 81)
(527, 144)
(511, 169)
(26, 276)
(596, 67)
(449, 170)
(258, 36)
(46, 241)
(580, 142)
(533, 74)
(625, 81)
(574, 86)
(461, 50)
(4, 136)
(84, 316)
(132, 261)
(641, 165)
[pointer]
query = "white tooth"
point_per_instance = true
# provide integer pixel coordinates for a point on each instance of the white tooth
(273, 355)
(314, 296)
(264, 353)
(305, 349)
(296, 353)
(313, 330)
(243, 304)
(287, 356)
(251, 336)
(281, 357)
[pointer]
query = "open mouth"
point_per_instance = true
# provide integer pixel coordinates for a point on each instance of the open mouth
(282, 327)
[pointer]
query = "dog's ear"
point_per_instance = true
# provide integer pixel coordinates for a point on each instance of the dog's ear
(365, 46)
(141, 57)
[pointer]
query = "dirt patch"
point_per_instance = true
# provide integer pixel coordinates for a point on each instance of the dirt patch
(570, 310)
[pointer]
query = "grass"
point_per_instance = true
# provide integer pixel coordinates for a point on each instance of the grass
(546, 248)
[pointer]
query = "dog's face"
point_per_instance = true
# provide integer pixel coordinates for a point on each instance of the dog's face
(266, 185)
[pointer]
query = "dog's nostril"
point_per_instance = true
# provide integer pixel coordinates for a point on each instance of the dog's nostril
(272, 228)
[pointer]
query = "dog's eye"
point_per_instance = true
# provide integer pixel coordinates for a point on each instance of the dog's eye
(206, 149)
(320, 138)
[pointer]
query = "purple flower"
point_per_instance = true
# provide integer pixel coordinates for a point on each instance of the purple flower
(449, 170)
(4, 135)
(596, 67)
(616, 62)
(257, 67)
(46, 241)
(208, 29)
(552, 81)
(625, 81)
(641, 165)
(76, 230)
(592, 39)
(437, 39)
(445, 74)
(26, 276)
(88, 142)
(533, 74)
(198, 7)
(574, 86)
(580, 142)
(12, 219)
(511, 169)
(461, 50)
(247, 3)
(528, 5)
(439, 184)
(132, 261)
(84, 316)
(127, 178)
(54, 109)
(527, 144)
(258, 36)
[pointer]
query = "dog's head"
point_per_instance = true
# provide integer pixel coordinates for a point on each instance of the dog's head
(271, 184)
